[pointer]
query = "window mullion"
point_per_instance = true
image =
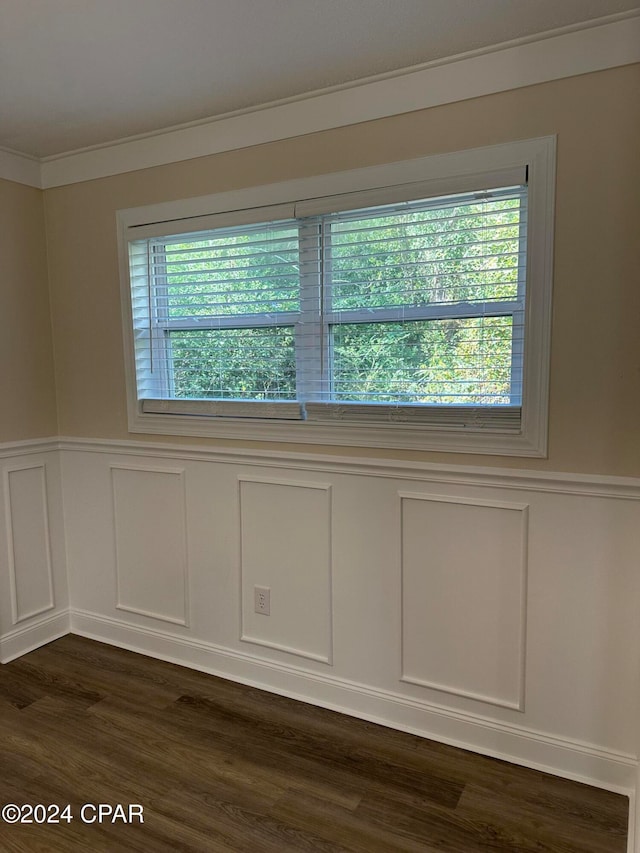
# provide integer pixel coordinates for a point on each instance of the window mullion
(326, 309)
(308, 334)
(518, 330)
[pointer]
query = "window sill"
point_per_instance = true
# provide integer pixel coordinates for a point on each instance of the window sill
(530, 441)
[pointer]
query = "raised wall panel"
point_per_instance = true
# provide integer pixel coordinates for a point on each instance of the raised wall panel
(150, 542)
(285, 544)
(29, 544)
(464, 597)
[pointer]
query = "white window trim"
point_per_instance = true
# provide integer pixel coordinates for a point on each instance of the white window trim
(444, 174)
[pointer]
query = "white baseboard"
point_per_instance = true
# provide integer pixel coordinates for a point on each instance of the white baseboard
(41, 631)
(570, 759)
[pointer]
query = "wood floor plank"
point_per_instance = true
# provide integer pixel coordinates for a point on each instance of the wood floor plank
(219, 754)
(549, 825)
(359, 835)
(83, 763)
(222, 767)
(51, 683)
(245, 829)
(502, 776)
(295, 750)
(109, 674)
(447, 830)
(346, 735)
(18, 690)
(139, 673)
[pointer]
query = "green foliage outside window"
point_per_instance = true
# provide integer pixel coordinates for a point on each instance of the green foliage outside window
(455, 254)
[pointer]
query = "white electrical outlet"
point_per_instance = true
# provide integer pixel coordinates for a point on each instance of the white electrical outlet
(262, 600)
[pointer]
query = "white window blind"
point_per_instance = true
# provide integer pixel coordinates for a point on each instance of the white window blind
(215, 315)
(406, 311)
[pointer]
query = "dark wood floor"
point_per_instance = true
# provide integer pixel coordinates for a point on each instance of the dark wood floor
(220, 767)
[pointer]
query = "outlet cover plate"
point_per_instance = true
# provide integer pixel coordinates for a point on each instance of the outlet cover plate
(262, 600)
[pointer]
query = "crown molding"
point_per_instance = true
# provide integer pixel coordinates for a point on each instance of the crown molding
(20, 168)
(567, 52)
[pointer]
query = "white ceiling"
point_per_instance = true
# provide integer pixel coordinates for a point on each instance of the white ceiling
(75, 73)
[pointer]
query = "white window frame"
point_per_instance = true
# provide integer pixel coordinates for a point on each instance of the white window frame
(441, 174)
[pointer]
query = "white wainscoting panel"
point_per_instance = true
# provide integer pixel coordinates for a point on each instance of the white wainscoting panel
(326, 535)
(34, 594)
(149, 514)
(464, 596)
(29, 542)
(285, 544)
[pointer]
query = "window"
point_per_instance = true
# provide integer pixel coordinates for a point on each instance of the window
(393, 314)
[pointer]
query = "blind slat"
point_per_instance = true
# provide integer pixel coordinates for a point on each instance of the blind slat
(506, 418)
(225, 408)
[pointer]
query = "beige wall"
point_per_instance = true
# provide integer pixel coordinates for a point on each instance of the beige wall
(27, 387)
(595, 399)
